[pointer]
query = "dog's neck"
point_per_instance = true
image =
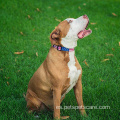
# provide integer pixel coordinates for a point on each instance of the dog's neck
(61, 56)
(69, 42)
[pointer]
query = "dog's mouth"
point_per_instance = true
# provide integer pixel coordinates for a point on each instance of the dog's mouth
(84, 33)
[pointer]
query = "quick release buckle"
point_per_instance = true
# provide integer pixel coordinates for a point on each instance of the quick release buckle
(59, 48)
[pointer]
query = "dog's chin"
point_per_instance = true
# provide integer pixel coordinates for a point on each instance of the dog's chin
(84, 33)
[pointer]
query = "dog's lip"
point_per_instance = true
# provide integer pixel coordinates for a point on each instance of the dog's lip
(83, 33)
(87, 24)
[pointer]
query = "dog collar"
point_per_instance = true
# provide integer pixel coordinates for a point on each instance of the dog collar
(59, 48)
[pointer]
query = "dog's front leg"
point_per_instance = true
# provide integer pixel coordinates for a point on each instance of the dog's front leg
(78, 95)
(56, 102)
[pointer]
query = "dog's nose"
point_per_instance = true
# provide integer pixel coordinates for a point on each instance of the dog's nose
(85, 16)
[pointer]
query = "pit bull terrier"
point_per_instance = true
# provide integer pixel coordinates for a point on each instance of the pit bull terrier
(61, 71)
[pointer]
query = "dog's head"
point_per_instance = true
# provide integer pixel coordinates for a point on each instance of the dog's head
(69, 31)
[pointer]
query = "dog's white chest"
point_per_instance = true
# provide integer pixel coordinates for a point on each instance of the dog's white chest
(73, 72)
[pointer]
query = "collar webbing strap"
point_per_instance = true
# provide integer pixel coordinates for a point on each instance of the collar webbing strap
(59, 48)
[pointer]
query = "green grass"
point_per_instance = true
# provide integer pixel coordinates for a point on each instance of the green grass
(101, 80)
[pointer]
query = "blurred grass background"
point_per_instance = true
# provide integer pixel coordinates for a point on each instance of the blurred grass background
(26, 26)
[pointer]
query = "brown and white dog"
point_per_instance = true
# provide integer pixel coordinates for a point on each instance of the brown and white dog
(61, 71)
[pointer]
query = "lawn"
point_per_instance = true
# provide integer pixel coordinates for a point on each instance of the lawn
(25, 27)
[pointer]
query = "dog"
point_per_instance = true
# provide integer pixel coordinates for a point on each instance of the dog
(61, 71)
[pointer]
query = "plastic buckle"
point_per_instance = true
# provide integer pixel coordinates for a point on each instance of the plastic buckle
(59, 48)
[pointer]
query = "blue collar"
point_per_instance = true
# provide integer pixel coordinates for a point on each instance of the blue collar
(59, 48)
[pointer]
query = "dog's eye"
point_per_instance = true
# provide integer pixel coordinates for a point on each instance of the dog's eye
(70, 21)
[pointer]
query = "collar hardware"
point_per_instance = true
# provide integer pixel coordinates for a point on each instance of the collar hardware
(59, 48)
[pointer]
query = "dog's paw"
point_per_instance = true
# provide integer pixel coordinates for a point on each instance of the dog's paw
(83, 113)
(30, 111)
(64, 117)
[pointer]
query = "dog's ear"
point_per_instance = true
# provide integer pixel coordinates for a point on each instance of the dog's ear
(55, 36)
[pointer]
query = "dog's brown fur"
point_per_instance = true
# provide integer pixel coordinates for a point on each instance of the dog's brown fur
(51, 80)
